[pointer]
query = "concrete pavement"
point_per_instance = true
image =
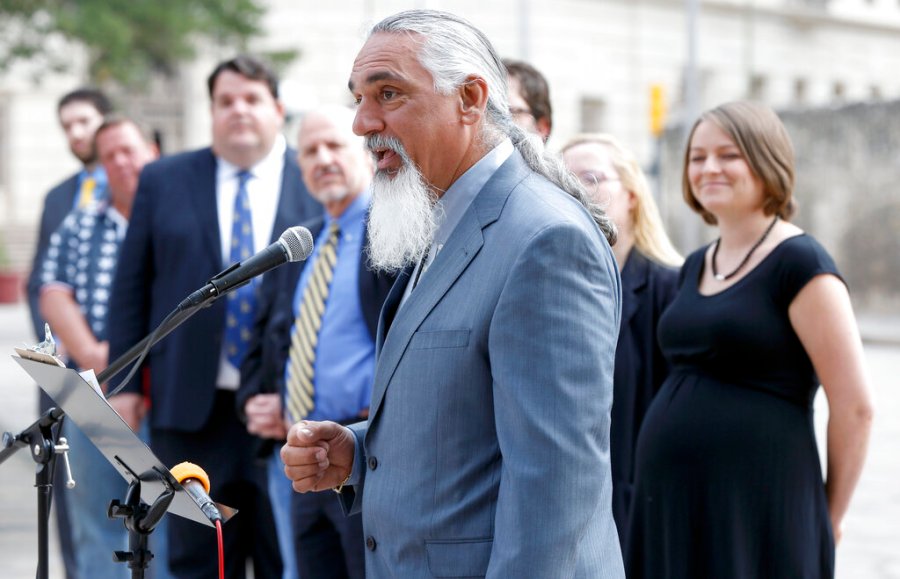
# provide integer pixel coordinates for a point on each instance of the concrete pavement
(870, 548)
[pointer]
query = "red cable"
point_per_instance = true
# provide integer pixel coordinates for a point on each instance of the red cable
(221, 550)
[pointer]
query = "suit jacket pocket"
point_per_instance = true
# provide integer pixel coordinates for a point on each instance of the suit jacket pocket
(439, 339)
(462, 558)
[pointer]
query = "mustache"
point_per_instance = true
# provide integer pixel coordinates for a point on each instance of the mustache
(376, 144)
(327, 170)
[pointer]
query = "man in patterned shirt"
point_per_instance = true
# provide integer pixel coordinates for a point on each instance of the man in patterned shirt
(76, 278)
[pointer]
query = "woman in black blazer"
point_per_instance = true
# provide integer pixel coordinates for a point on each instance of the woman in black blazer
(648, 263)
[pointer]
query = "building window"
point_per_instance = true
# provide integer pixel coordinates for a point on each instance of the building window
(814, 4)
(801, 88)
(593, 113)
(838, 92)
(756, 89)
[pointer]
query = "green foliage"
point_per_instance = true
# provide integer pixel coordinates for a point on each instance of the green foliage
(127, 40)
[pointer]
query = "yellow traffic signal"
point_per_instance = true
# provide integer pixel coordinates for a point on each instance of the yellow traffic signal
(657, 109)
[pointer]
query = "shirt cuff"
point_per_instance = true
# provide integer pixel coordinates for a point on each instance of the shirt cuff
(359, 460)
(56, 285)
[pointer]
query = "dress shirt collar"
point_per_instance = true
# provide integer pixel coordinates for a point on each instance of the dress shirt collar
(354, 213)
(451, 207)
(97, 173)
(118, 219)
(269, 167)
(454, 203)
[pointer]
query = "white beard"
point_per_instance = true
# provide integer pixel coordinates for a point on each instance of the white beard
(401, 219)
(330, 195)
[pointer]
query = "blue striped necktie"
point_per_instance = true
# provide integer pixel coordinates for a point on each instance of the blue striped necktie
(241, 307)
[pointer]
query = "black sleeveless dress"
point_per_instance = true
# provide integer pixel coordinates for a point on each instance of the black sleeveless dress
(728, 480)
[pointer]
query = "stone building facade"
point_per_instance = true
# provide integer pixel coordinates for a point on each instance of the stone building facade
(602, 58)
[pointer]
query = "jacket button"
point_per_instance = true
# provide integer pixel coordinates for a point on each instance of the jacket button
(370, 543)
(373, 463)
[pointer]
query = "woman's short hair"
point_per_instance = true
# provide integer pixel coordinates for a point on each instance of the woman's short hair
(764, 142)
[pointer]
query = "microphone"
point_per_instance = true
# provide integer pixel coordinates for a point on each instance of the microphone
(195, 481)
(295, 244)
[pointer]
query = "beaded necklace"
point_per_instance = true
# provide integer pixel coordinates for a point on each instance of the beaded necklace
(723, 277)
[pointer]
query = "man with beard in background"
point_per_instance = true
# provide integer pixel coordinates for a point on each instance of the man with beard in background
(80, 113)
(312, 349)
(486, 450)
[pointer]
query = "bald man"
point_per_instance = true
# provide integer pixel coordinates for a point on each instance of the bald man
(337, 171)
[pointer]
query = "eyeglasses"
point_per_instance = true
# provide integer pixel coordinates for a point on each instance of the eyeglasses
(591, 179)
(520, 112)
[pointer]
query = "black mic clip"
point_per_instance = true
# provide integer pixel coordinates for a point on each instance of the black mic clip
(220, 284)
(213, 290)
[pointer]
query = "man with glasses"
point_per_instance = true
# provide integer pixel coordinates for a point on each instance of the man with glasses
(529, 98)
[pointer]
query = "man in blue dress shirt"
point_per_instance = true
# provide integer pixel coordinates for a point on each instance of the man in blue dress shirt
(337, 172)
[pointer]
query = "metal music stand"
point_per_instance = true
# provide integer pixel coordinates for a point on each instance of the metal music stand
(153, 490)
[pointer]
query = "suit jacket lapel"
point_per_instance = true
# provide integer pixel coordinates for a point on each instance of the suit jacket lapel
(634, 280)
(389, 309)
(290, 206)
(461, 248)
(202, 182)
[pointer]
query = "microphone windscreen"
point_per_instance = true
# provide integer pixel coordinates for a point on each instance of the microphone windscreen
(188, 470)
(299, 243)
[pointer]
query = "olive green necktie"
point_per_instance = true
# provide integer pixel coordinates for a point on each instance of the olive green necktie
(302, 356)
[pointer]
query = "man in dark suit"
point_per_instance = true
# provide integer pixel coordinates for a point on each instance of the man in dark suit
(337, 171)
(195, 213)
(80, 113)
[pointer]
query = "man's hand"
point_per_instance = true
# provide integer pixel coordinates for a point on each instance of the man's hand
(130, 407)
(318, 455)
(94, 356)
(264, 416)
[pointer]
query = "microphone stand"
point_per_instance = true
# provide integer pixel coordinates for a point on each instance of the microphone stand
(41, 439)
(140, 519)
(295, 244)
(190, 306)
(166, 327)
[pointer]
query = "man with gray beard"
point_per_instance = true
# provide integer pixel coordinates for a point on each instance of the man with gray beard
(486, 450)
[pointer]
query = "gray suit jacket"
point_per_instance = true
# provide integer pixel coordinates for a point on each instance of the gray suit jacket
(487, 448)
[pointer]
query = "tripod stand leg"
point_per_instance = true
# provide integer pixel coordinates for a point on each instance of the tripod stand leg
(44, 488)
